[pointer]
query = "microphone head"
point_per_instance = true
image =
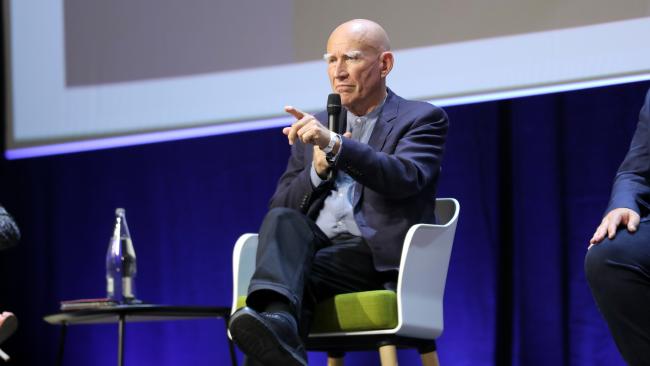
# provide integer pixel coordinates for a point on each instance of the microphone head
(334, 104)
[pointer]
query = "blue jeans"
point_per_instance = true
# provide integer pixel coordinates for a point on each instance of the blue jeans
(618, 272)
(296, 260)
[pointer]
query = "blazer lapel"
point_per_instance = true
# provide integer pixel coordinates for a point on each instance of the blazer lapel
(383, 124)
(382, 128)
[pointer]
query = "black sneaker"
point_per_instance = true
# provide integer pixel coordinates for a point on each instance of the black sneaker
(270, 338)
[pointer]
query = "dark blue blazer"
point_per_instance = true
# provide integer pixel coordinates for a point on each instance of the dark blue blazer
(396, 175)
(632, 183)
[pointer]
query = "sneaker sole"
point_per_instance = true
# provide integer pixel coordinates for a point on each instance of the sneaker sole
(256, 340)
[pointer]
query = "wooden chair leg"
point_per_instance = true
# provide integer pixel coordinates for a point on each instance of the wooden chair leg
(430, 359)
(334, 361)
(388, 355)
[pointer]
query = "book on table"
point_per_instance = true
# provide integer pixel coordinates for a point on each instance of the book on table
(81, 304)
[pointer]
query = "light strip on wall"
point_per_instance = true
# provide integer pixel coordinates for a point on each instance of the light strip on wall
(538, 90)
(227, 128)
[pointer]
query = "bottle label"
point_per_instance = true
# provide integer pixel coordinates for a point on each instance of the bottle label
(127, 287)
(110, 287)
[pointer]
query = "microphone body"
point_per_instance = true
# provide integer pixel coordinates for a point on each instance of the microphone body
(333, 111)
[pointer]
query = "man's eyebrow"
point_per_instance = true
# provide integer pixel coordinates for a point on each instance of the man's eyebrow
(353, 54)
(349, 54)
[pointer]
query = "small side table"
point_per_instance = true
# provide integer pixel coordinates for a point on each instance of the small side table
(135, 313)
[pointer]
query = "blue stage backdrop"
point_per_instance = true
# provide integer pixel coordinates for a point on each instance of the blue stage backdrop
(533, 176)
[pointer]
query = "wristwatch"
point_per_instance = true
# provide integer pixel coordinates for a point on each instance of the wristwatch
(329, 156)
(334, 137)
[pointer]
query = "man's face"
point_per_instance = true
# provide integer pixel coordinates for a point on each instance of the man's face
(355, 72)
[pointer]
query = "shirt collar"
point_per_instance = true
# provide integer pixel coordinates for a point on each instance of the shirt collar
(373, 113)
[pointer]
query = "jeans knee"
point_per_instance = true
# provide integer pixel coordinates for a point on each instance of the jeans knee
(607, 263)
(595, 264)
(285, 225)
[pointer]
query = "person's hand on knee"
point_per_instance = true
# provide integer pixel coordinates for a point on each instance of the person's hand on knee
(611, 222)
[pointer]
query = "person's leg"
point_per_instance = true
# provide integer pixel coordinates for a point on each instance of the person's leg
(618, 272)
(287, 243)
(266, 330)
(345, 266)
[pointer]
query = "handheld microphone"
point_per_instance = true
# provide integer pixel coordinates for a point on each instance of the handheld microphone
(333, 111)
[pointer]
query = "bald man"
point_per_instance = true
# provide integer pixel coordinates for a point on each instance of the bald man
(342, 207)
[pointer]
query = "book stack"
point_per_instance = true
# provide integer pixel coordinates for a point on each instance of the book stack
(83, 304)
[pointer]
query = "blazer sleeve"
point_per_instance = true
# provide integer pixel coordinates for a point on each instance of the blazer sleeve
(294, 189)
(411, 167)
(632, 182)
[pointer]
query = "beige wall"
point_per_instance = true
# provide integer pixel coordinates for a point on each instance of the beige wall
(416, 23)
(109, 41)
(123, 40)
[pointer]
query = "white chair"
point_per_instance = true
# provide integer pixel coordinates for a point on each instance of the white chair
(419, 297)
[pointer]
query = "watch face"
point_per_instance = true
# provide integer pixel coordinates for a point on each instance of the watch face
(330, 145)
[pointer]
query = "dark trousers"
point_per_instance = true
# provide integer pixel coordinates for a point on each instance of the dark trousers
(298, 261)
(618, 272)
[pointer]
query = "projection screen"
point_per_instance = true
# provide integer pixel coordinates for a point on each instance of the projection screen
(89, 74)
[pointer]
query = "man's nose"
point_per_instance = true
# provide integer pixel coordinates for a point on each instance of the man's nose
(340, 71)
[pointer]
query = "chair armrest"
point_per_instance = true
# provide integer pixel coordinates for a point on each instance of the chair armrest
(243, 265)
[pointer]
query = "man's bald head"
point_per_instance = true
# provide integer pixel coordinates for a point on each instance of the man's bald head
(364, 31)
(358, 60)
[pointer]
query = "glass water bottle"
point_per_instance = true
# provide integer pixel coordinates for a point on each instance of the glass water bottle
(120, 262)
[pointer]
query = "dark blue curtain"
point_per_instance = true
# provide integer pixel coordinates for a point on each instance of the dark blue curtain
(532, 174)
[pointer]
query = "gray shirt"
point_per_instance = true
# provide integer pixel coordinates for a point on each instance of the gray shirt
(337, 215)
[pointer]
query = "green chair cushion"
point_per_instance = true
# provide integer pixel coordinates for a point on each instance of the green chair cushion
(357, 311)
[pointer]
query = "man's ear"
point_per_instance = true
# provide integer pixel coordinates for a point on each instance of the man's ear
(387, 61)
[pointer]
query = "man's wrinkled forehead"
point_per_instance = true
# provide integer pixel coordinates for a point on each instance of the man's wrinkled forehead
(347, 37)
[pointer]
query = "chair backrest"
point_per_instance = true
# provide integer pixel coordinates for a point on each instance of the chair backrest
(423, 273)
(447, 210)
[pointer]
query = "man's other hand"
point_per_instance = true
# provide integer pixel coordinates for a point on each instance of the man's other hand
(307, 129)
(320, 163)
(611, 221)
